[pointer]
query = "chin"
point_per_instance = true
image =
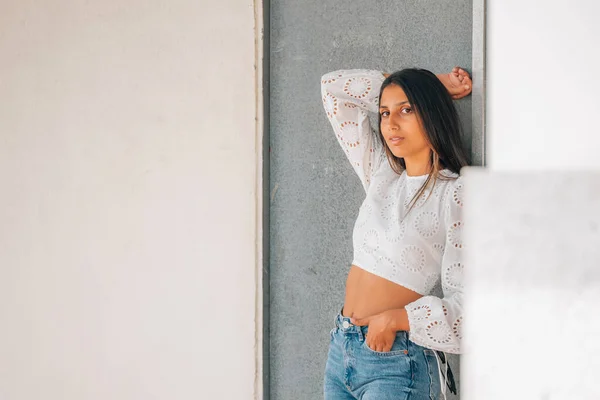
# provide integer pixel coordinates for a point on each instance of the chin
(397, 153)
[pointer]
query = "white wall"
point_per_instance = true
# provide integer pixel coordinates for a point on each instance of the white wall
(129, 204)
(543, 83)
(533, 217)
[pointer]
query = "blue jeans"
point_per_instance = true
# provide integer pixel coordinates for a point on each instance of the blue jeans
(354, 371)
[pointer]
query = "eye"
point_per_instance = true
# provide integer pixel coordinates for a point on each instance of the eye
(385, 113)
(406, 110)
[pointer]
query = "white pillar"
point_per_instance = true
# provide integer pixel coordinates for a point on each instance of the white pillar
(533, 217)
(130, 200)
(532, 329)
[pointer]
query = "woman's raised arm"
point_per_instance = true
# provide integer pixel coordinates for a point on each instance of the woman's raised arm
(348, 97)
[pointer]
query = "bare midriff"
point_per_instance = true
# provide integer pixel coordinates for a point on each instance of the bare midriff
(368, 294)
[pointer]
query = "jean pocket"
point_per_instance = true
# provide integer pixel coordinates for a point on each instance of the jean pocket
(399, 348)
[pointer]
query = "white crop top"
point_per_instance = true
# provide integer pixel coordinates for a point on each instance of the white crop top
(414, 249)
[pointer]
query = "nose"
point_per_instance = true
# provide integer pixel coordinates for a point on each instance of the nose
(393, 123)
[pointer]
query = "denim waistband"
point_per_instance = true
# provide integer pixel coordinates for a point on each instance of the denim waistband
(345, 324)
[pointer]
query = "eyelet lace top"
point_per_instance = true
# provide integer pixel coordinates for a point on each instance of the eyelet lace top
(413, 248)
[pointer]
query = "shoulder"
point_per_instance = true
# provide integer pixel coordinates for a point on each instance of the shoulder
(456, 184)
(453, 192)
(450, 179)
(448, 175)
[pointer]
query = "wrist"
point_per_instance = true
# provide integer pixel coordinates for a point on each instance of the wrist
(399, 319)
(444, 79)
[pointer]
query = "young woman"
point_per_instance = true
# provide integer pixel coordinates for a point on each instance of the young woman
(390, 337)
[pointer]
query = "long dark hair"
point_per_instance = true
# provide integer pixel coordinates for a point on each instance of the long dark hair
(435, 109)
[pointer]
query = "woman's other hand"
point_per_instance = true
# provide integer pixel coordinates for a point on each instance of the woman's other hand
(383, 328)
(457, 82)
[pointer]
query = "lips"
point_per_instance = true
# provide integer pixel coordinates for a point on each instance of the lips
(395, 140)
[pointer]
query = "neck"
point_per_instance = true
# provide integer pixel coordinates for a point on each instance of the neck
(417, 166)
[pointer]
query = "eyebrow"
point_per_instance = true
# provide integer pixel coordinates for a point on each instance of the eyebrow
(397, 104)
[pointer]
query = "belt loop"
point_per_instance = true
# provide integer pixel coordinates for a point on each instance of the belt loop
(338, 318)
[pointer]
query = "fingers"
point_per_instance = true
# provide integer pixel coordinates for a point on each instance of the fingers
(467, 82)
(462, 72)
(462, 85)
(384, 348)
(380, 343)
(379, 346)
(455, 80)
(462, 76)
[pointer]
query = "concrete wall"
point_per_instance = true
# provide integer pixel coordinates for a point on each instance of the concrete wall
(129, 207)
(533, 217)
(315, 195)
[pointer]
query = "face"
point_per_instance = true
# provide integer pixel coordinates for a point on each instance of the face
(400, 125)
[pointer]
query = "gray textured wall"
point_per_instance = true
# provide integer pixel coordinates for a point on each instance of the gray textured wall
(315, 195)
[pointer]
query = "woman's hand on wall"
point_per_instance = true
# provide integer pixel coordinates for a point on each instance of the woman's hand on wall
(457, 82)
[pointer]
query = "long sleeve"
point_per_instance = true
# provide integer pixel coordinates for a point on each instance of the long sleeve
(436, 322)
(348, 97)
